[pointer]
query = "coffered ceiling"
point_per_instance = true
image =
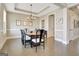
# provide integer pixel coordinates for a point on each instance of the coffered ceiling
(37, 9)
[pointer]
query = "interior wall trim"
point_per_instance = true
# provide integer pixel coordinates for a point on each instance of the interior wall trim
(1, 30)
(14, 37)
(1, 45)
(64, 42)
(18, 9)
(13, 29)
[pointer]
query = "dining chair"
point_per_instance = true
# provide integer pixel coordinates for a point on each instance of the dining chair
(38, 39)
(25, 38)
(22, 37)
(45, 34)
(25, 30)
(43, 37)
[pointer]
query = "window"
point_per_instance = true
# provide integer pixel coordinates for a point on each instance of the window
(4, 21)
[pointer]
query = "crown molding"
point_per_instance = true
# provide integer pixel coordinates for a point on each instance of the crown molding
(25, 11)
(44, 9)
(18, 9)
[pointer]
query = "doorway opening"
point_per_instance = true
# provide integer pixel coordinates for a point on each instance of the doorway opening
(52, 26)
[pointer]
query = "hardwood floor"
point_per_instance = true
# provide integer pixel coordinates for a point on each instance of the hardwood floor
(52, 48)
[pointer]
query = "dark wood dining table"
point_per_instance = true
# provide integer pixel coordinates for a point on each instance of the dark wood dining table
(33, 35)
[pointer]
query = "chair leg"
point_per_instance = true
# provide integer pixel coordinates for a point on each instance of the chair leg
(25, 45)
(44, 45)
(36, 48)
(31, 45)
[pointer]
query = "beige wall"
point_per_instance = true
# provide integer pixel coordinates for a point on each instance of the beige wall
(1, 17)
(74, 32)
(2, 35)
(13, 30)
(60, 27)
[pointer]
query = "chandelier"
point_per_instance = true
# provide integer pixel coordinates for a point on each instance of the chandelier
(31, 23)
(31, 17)
(31, 12)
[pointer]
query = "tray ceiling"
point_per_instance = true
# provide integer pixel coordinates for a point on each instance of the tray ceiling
(38, 9)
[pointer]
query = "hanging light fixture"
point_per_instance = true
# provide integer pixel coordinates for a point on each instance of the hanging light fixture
(31, 16)
(31, 12)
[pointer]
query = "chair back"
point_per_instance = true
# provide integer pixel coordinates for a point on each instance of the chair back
(22, 36)
(45, 34)
(40, 34)
(25, 30)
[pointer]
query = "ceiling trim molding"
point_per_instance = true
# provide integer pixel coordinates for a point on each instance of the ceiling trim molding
(25, 11)
(21, 14)
(60, 5)
(18, 9)
(44, 9)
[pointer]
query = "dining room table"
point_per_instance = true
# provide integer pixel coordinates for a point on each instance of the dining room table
(33, 35)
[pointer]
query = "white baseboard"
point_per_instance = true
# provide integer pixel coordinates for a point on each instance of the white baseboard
(13, 37)
(73, 38)
(2, 43)
(64, 42)
(4, 39)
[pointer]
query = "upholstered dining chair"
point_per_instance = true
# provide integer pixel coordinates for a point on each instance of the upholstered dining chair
(43, 37)
(25, 38)
(22, 37)
(38, 39)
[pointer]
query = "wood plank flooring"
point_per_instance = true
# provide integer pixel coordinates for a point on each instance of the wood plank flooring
(13, 47)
